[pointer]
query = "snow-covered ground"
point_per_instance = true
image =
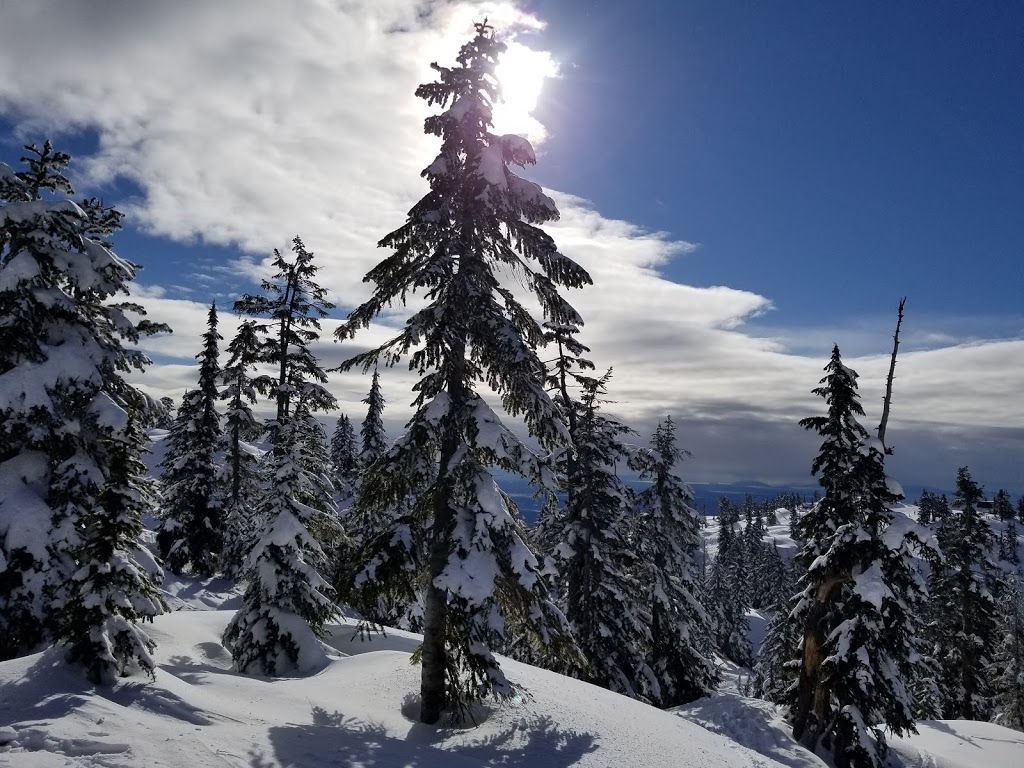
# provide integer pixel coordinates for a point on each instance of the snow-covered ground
(361, 712)
(959, 744)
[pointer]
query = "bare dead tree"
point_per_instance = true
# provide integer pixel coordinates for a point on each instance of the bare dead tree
(887, 400)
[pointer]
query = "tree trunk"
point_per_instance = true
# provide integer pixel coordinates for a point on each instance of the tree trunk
(434, 662)
(236, 461)
(812, 712)
(435, 620)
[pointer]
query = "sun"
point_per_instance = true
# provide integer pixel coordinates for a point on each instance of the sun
(522, 72)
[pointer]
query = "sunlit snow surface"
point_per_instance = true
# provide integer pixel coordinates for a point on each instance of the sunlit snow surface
(361, 712)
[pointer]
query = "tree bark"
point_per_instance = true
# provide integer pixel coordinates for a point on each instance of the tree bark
(814, 697)
(434, 662)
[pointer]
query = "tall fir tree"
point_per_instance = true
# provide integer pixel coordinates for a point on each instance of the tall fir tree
(725, 597)
(191, 534)
(115, 586)
(165, 417)
(345, 455)
(599, 565)
(1007, 669)
(294, 304)
(1012, 544)
(929, 508)
(318, 490)
(1003, 511)
(478, 221)
(63, 395)
(775, 672)
(373, 436)
(669, 534)
(794, 522)
(964, 584)
(858, 599)
(242, 477)
(287, 602)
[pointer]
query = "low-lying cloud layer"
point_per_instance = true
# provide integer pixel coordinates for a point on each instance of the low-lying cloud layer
(243, 123)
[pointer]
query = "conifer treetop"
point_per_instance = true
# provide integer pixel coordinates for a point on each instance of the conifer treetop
(478, 217)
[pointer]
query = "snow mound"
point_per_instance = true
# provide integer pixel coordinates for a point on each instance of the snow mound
(959, 744)
(754, 724)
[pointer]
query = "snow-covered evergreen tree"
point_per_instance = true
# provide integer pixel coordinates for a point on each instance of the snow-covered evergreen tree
(345, 455)
(165, 418)
(191, 535)
(775, 672)
(602, 576)
(926, 507)
(242, 479)
(317, 491)
(62, 389)
(725, 598)
(858, 604)
(1012, 544)
(115, 586)
(374, 437)
(794, 522)
(294, 303)
(668, 535)
(1007, 669)
(965, 586)
(1003, 511)
(478, 221)
(287, 602)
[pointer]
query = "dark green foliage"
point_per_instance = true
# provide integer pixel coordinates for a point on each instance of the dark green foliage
(668, 534)
(294, 303)
(115, 586)
(1003, 511)
(727, 595)
(1007, 670)
(860, 595)
(374, 437)
(931, 508)
(601, 570)
(287, 602)
(63, 358)
(191, 536)
(477, 223)
(775, 672)
(242, 477)
(344, 455)
(964, 585)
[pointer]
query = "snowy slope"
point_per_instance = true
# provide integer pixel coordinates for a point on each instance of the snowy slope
(358, 712)
(361, 711)
(959, 744)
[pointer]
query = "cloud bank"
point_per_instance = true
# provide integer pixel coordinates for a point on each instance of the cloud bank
(243, 123)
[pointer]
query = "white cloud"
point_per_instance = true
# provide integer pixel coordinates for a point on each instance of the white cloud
(247, 122)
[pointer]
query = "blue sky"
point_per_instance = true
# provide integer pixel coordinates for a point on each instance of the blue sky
(747, 182)
(807, 146)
